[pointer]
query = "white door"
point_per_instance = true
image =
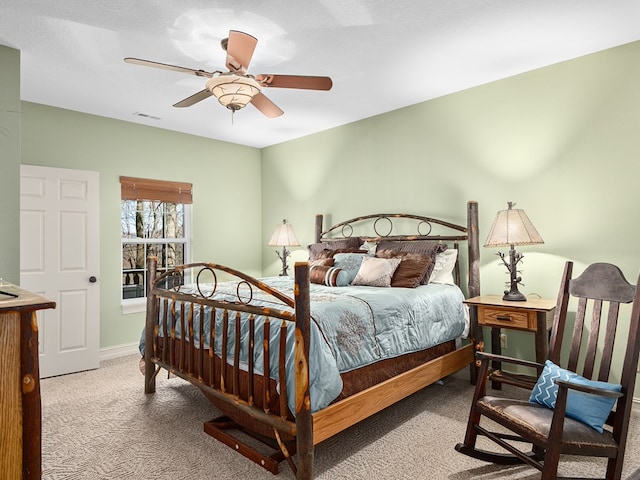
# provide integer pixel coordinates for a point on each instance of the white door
(60, 259)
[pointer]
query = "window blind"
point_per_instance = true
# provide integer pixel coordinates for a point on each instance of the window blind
(145, 189)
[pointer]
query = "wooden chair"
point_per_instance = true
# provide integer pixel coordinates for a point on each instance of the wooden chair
(548, 432)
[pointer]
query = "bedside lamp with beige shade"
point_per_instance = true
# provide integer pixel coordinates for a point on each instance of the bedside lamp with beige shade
(510, 228)
(284, 237)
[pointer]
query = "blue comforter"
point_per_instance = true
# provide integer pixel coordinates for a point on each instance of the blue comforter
(352, 327)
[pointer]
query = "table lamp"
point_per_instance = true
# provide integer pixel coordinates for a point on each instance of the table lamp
(284, 237)
(512, 227)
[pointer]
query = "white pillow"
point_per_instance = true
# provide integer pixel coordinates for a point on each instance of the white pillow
(443, 268)
(370, 247)
(376, 272)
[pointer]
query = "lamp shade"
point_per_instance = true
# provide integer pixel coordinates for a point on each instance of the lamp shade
(233, 91)
(512, 227)
(283, 236)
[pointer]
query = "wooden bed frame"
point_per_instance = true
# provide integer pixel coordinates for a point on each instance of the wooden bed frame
(241, 393)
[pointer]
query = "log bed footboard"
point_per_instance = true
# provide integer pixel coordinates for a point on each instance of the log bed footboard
(176, 347)
(245, 393)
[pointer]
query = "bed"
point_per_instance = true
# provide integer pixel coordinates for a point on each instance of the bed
(291, 362)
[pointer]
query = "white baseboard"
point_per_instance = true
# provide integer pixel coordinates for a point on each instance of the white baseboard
(119, 351)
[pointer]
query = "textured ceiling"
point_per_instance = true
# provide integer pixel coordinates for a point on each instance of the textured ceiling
(381, 54)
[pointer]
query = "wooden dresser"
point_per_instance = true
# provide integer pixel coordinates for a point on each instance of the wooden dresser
(20, 406)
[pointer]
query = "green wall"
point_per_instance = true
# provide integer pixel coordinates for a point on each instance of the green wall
(10, 163)
(226, 191)
(562, 142)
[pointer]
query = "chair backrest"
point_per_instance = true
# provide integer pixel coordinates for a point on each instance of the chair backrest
(599, 290)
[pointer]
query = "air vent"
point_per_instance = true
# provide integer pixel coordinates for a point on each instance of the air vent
(146, 115)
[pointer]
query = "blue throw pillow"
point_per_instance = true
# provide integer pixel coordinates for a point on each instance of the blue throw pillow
(349, 263)
(589, 409)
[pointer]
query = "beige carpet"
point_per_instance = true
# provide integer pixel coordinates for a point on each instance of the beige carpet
(100, 425)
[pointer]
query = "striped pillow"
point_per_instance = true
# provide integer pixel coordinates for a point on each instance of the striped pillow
(329, 276)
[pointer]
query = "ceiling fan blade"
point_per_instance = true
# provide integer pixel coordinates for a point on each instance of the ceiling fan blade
(295, 81)
(266, 106)
(240, 47)
(195, 98)
(165, 66)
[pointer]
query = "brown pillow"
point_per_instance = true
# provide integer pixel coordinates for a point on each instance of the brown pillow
(322, 262)
(412, 269)
(425, 247)
(316, 248)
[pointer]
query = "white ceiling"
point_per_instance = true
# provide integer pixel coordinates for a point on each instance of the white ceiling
(381, 54)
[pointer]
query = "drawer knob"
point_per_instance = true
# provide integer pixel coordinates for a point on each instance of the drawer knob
(505, 318)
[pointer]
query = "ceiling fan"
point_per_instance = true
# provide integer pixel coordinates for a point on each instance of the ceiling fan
(235, 88)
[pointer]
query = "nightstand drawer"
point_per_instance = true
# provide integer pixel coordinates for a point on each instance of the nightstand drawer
(504, 317)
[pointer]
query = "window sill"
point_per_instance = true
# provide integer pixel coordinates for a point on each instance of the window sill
(138, 305)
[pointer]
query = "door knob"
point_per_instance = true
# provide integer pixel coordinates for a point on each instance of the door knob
(92, 279)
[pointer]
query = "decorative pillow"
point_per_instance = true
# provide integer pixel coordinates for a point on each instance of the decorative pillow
(349, 262)
(329, 276)
(426, 247)
(376, 272)
(316, 248)
(587, 408)
(411, 270)
(443, 267)
(369, 247)
(322, 262)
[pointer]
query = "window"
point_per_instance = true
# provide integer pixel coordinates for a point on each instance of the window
(154, 221)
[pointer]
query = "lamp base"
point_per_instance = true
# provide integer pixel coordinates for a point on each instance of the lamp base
(283, 258)
(514, 296)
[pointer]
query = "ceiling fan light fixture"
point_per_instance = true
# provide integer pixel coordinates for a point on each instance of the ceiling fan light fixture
(233, 91)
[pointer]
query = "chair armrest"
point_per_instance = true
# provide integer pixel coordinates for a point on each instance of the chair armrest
(502, 358)
(586, 389)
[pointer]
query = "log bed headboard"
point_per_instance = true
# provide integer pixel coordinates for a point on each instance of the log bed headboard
(448, 233)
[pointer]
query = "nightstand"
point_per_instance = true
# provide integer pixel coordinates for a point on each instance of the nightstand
(533, 315)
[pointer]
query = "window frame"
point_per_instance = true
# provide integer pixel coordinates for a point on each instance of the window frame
(167, 193)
